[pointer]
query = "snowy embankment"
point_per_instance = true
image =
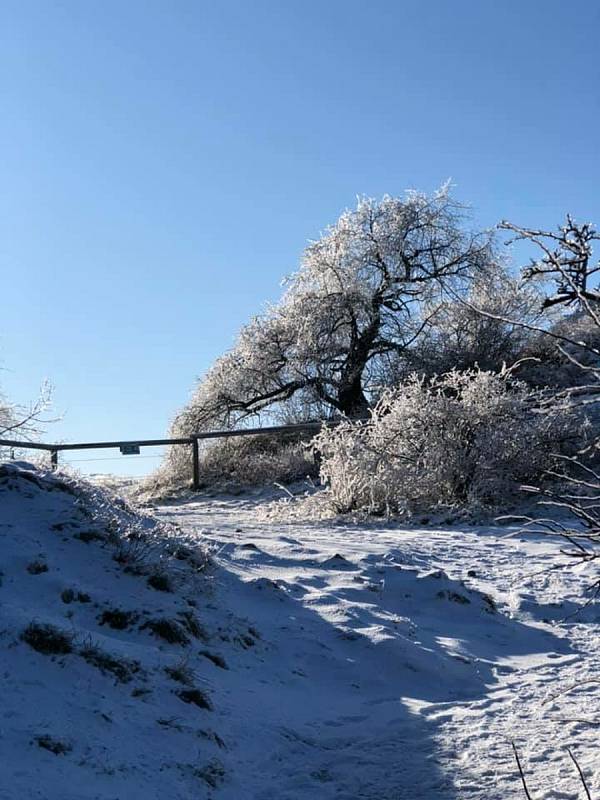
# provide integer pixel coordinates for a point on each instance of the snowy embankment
(308, 661)
(106, 648)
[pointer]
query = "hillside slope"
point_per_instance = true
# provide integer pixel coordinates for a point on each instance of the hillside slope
(104, 654)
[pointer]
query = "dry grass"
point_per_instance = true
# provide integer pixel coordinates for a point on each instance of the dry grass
(48, 639)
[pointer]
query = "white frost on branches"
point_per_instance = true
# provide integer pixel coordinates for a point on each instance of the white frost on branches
(23, 423)
(365, 291)
(463, 439)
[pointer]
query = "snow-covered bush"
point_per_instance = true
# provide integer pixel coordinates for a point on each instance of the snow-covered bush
(240, 461)
(463, 439)
(257, 460)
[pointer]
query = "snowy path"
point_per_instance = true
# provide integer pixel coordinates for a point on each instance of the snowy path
(378, 676)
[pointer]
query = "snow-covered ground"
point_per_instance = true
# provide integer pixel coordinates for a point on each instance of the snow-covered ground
(383, 669)
(339, 660)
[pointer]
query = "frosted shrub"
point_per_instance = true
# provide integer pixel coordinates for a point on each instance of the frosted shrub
(462, 439)
(244, 461)
(257, 460)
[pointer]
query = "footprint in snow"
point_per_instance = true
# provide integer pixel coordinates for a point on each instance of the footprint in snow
(279, 589)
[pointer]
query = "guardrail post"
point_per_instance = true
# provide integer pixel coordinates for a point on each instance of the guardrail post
(196, 465)
(53, 459)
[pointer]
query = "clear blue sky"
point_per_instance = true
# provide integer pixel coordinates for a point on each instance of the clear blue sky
(164, 163)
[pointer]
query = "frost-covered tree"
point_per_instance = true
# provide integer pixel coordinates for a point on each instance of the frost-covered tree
(566, 262)
(546, 364)
(460, 338)
(23, 422)
(365, 292)
(566, 268)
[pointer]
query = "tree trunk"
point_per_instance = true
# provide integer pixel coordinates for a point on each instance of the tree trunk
(351, 397)
(352, 400)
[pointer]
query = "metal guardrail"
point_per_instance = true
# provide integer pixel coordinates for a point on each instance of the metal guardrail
(54, 449)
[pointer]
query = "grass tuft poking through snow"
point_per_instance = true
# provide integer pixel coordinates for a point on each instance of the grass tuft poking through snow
(57, 746)
(48, 639)
(161, 582)
(37, 567)
(196, 697)
(168, 629)
(118, 619)
(122, 669)
(181, 672)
